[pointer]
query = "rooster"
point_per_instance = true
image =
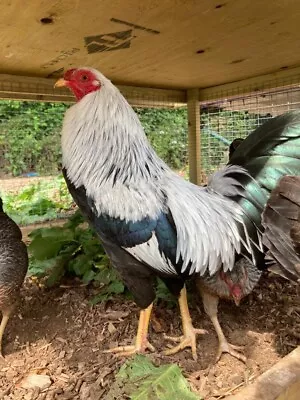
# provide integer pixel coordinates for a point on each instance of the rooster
(154, 223)
(13, 267)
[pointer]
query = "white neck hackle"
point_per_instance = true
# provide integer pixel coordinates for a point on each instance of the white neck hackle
(106, 150)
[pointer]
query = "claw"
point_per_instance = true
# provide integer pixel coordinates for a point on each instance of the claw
(211, 308)
(141, 342)
(5, 318)
(123, 351)
(189, 332)
(187, 340)
(233, 350)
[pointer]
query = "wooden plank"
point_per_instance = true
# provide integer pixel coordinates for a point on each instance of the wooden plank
(195, 167)
(281, 382)
(164, 44)
(291, 393)
(42, 89)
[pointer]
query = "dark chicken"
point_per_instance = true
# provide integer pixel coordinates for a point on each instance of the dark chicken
(281, 220)
(152, 222)
(13, 267)
(234, 145)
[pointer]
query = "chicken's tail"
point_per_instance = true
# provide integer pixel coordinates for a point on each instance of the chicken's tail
(281, 221)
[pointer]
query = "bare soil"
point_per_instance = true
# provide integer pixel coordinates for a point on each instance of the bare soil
(59, 333)
(12, 185)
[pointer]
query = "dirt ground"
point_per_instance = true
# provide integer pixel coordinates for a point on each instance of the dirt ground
(59, 333)
(11, 185)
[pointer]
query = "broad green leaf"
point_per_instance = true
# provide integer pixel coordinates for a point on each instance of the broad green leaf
(139, 379)
(43, 248)
(57, 272)
(88, 276)
(81, 264)
(115, 287)
(40, 268)
(49, 241)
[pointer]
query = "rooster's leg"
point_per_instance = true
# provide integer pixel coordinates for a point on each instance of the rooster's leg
(189, 332)
(210, 303)
(5, 318)
(141, 342)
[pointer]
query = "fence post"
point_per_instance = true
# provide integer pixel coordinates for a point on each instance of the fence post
(194, 147)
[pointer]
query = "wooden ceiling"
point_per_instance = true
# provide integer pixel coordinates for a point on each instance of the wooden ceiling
(176, 44)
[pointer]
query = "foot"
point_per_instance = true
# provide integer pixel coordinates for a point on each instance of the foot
(187, 340)
(233, 350)
(125, 351)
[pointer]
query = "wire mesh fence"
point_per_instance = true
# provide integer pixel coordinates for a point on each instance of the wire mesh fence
(31, 183)
(224, 120)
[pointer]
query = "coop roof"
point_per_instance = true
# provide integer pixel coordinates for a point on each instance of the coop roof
(165, 44)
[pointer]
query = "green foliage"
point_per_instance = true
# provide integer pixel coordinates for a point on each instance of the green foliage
(38, 202)
(163, 293)
(167, 132)
(139, 379)
(72, 250)
(30, 136)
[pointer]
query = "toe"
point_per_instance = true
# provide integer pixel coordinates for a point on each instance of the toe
(200, 331)
(175, 339)
(119, 349)
(238, 348)
(234, 351)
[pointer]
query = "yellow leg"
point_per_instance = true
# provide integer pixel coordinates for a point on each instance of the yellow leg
(189, 332)
(5, 318)
(210, 303)
(141, 341)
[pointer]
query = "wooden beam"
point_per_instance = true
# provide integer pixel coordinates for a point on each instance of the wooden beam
(262, 83)
(281, 382)
(42, 89)
(195, 166)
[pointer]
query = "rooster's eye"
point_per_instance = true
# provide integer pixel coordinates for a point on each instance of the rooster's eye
(84, 77)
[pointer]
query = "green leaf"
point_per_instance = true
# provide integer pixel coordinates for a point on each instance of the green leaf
(163, 293)
(88, 276)
(92, 246)
(139, 379)
(75, 220)
(48, 242)
(81, 264)
(57, 271)
(43, 248)
(41, 207)
(114, 287)
(40, 268)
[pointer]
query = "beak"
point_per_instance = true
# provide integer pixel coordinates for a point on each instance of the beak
(237, 301)
(60, 83)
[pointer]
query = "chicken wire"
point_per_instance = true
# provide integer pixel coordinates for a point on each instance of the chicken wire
(224, 120)
(37, 190)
